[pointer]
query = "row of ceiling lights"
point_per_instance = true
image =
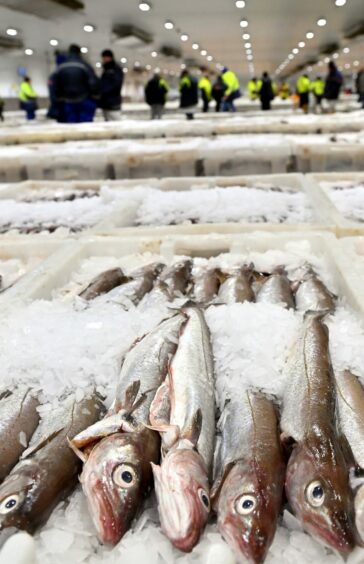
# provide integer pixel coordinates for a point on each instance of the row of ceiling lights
(13, 32)
(246, 37)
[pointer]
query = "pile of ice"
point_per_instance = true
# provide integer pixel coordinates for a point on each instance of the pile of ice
(41, 215)
(238, 204)
(12, 269)
(65, 343)
(348, 197)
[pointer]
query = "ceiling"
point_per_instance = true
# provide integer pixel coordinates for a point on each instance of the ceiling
(275, 28)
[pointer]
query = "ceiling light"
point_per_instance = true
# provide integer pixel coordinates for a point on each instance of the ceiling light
(250, 57)
(320, 63)
(321, 22)
(290, 56)
(148, 67)
(204, 52)
(240, 3)
(137, 64)
(29, 52)
(169, 24)
(12, 31)
(310, 35)
(347, 66)
(184, 37)
(98, 65)
(195, 46)
(123, 60)
(340, 2)
(335, 55)
(209, 58)
(84, 50)
(125, 70)
(54, 42)
(244, 23)
(346, 50)
(157, 70)
(249, 52)
(248, 45)
(246, 36)
(88, 28)
(356, 63)
(301, 44)
(327, 59)
(154, 54)
(183, 66)
(144, 6)
(295, 51)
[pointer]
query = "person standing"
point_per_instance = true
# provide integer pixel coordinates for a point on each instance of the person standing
(360, 86)
(76, 88)
(266, 92)
(232, 91)
(303, 87)
(333, 85)
(156, 91)
(253, 89)
(111, 84)
(218, 92)
(188, 88)
(205, 88)
(28, 98)
(284, 90)
(2, 105)
(318, 90)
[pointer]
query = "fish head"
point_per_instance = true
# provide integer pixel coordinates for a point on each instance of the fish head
(182, 489)
(19, 496)
(359, 512)
(247, 507)
(116, 478)
(317, 487)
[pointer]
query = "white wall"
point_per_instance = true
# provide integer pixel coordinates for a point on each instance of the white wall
(37, 68)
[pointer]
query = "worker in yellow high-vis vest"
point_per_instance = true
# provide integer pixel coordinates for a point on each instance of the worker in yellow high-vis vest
(28, 98)
(205, 88)
(318, 90)
(303, 87)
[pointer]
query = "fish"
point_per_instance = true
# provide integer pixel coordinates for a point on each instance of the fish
(187, 427)
(312, 294)
(317, 480)
(18, 416)
(174, 280)
(118, 451)
(104, 283)
(237, 288)
(47, 471)
(350, 402)
(206, 283)
(248, 488)
(276, 289)
(141, 282)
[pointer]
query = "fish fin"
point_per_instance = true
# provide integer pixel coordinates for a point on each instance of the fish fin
(115, 423)
(77, 451)
(170, 435)
(130, 396)
(192, 434)
(42, 443)
(160, 409)
(217, 485)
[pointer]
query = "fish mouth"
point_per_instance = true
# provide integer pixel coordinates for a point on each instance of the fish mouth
(252, 547)
(339, 537)
(6, 533)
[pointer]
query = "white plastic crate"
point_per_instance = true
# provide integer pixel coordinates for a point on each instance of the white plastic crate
(344, 225)
(326, 157)
(56, 272)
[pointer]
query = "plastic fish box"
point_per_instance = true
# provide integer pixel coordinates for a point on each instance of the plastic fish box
(325, 157)
(345, 225)
(293, 182)
(56, 272)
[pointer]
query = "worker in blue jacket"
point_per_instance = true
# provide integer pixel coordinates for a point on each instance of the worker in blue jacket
(111, 84)
(76, 88)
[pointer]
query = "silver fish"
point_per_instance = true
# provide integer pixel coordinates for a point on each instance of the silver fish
(249, 476)
(118, 451)
(237, 288)
(276, 290)
(317, 482)
(188, 435)
(174, 280)
(312, 294)
(18, 414)
(104, 283)
(206, 283)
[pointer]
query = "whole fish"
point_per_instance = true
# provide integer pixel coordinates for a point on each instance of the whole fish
(237, 288)
(312, 294)
(317, 481)
(249, 476)
(350, 400)
(188, 435)
(276, 289)
(140, 283)
(47, 471)
(19, 419)
(174, 280)
(103, 283)
(117, 451)
(206, 283)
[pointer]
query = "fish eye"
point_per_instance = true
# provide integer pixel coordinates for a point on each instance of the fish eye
(204, 497)
(124, 476)
(9, 504)
(245, 504)
(315, 494)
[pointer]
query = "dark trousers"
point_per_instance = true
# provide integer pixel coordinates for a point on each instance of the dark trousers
(318, 99)
(266, 104)
(29, 108)
(206, 101)
(77, 112)
(1, 113)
